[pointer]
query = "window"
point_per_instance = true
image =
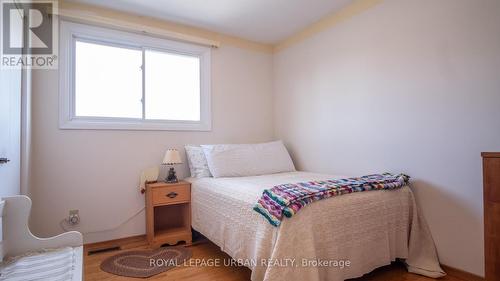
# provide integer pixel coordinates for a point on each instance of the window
(180, 82)
(108, 81)
(117, 80)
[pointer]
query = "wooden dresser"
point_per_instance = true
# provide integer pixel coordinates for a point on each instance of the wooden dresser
(168, 213)
(491, 182)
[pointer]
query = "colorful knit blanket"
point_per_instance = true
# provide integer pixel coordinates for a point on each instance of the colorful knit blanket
(288, 199)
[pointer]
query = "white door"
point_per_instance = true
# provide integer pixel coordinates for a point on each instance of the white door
(10, 132)
(10, 123)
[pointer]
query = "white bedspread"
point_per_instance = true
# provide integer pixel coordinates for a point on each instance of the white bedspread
(368, 229)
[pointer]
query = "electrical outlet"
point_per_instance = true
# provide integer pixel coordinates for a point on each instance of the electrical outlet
(74, 217)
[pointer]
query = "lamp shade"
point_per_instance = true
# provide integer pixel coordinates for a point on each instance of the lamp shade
(172, 156)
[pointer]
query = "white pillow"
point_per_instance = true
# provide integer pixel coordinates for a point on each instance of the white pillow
(240, 160)
(197, 162)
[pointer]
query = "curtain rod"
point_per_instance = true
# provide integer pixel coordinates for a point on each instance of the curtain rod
(127, 26)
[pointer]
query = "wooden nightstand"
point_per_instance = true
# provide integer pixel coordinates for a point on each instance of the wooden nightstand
(168, 213)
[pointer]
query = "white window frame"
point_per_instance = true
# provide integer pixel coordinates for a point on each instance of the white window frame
(70, 32)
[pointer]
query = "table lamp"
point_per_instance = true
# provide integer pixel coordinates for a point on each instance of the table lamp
(172, 157)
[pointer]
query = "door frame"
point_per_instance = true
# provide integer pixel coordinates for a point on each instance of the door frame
(26, 91)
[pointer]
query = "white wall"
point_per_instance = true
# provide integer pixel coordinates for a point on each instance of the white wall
(409, 86)
(97, 172)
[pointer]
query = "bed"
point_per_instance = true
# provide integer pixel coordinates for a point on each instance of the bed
(332, 239)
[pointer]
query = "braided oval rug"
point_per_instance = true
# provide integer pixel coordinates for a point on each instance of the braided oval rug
(146, 263)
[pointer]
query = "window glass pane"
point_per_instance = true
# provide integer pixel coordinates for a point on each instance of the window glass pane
(172, 86)
(108, 81)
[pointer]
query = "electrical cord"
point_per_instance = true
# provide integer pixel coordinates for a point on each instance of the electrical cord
(65, 221)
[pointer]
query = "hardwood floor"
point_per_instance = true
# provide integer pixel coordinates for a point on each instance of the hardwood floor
(208, 250)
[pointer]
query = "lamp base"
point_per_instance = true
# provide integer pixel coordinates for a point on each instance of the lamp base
(171, 177)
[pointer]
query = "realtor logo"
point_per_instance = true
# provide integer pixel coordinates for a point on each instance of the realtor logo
(29, 34)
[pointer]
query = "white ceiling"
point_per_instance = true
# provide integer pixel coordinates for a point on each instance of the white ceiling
(266, 21)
